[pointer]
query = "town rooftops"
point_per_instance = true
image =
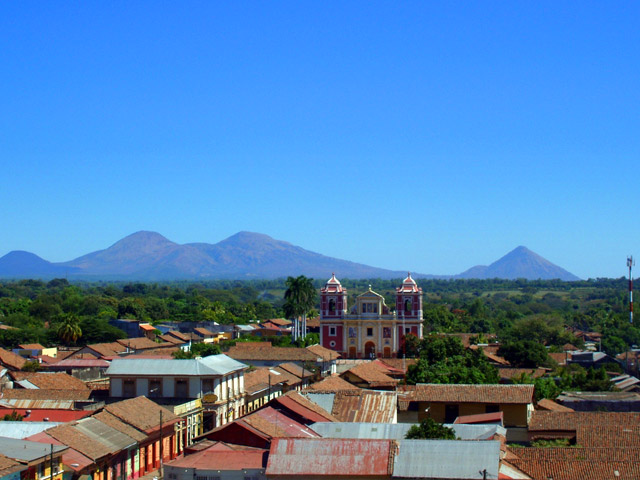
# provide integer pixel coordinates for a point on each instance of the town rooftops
(36, 415)
(211, 365)
(216, 458)
(332, 384)
(357, 406)
(27, 451)
(141, 343)
(9, 466)
(326, 354)
(23, 430)
(329, 457)
(550, 421)
(11, 360)
(50, 381)
(305, 408)
(142, 413)
(31, 346)
(546, 404)
(371, 374)
(268, 353)
(467, 393)
(44, 394)
(70, 363)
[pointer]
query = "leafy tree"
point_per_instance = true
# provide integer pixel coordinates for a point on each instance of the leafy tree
(31, 366)
(524, 353)
(430, 429)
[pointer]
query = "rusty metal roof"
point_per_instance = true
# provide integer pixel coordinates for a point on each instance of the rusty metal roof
(329, 457)
(358, 406)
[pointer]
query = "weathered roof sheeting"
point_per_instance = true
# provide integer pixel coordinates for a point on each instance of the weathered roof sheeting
(274, 424)
(22, 430)
(142, 413)
(211, 365)
(102, 432)
(330, 457)
(446, 459)
(398, 431)
(365, 406)
(26, 450)
(304, 407)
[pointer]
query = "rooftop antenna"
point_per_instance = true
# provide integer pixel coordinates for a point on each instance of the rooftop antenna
(630, 263)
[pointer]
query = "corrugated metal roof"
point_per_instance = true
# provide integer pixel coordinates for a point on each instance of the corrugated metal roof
(446, 459)
(25, 449)
(211, 365)
(330, 457)
(22, 430)
(398, 431)
(324, 400)
(105, 434)
(38, 404)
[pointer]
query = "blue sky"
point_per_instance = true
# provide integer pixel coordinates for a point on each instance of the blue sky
(429, 136)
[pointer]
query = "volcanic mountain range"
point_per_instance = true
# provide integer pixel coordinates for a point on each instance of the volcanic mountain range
(245, 255)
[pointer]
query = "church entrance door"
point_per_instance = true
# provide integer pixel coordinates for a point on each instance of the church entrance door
(369, 350)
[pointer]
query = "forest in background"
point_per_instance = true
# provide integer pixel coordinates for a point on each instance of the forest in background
(516, 310)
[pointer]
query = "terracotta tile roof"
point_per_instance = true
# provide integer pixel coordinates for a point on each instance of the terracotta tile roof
(141, 413)
(262, 378)
(141, 343)
(77, 440)
(203, 332)
(569, 421)
(332, 384)
(466, 393)
(171, 339)
(253, 345)
(105, 349)
(31, 346)
(401, 364)
(560, 358)
(178, 335)
(296, 370)
(117, 424)
(326, 354)
(276, 425)
(47, 360)
(371, 374)
(11, 360)
(51, 381)
(62, 354)
(577, 463)
(166, 351)
(45, 394)
(510, 373)
(546, 404)
(8, 466)
(285, 354)
(313, 322)
(281, 322)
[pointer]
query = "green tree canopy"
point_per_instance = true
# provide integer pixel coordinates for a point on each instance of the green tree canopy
(430, 429)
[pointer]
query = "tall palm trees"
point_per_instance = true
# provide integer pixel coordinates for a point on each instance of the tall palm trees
(300, 297)
(69, 330)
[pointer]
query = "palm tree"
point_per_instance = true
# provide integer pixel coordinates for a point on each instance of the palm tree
(69, 330)
(300, 297)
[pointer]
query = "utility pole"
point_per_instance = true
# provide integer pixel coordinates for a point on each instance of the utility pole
(161, 442)
(630, 264)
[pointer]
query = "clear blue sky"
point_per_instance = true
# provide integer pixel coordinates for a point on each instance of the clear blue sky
(430, 136)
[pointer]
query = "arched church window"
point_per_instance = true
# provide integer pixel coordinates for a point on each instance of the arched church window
(332, 305)
(407, 305)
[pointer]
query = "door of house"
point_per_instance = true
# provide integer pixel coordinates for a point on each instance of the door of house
(352, 352)
(450, 413)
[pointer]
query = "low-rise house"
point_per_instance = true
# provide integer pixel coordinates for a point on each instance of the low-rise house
(84, 369)
(329, 358)
(260, 428)
(99, 350)
(33, 350)
(332, 384)
(41, 461)
(444, 403)
(220, 461)
(299, 408)
(263, 384)
(10, 360)
(47, 381)
(263, 354)
(141, 345)
(11, 469)
(301, 377)
(213, 387)
(370, 375)
(205, 335)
